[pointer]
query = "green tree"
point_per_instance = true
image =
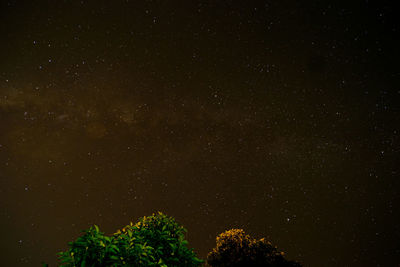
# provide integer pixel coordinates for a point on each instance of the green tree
(157, 240)
(236, 249)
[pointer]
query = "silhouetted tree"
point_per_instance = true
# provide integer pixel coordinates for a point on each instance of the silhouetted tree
(234, 248)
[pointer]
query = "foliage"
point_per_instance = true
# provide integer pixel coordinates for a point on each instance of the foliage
(157, 240)
(235, 248)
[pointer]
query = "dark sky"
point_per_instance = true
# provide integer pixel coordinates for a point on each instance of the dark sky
(278, 117)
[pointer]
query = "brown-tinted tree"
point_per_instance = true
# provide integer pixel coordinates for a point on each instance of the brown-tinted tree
(236, 249)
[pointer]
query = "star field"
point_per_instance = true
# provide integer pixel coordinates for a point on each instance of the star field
(278, 117)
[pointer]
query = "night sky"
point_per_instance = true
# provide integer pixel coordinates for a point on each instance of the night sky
(278, 117)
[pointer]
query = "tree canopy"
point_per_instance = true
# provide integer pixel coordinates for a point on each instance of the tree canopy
(157, 240)
(236, 249)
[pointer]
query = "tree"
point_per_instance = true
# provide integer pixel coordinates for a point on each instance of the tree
(157, 240)
(235, 249)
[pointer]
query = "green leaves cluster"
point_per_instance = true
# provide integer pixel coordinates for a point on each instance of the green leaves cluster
(157, 240)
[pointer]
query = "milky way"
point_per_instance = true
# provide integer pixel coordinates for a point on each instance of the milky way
(281, 118)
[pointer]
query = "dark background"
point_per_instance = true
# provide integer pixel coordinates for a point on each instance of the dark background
(279, 117)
